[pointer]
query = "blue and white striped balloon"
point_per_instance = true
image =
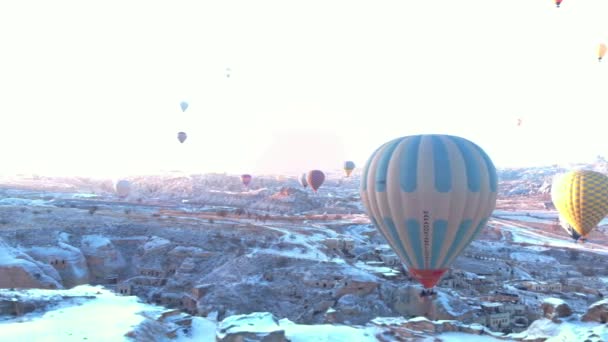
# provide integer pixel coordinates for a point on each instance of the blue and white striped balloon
(429, 195)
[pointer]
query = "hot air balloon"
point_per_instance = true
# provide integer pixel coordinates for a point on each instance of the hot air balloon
(571, 231)
(557, 3)
(429, 195)
(349, 166)
(601, 51)
(315, 178)
(246, 179)
(183, 105)
(181, 136)
(123, 188)
(581, 198)
(303, 180)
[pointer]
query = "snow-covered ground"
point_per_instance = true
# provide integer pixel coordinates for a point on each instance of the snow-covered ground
(104, 317)
(93, 313)
(533, 257)
(565, 332)
(24, 202)
(523, 234)
(536, 216)
(459, 337)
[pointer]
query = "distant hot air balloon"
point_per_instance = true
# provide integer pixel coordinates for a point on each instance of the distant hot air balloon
(557, 3)
(123, 188)
(246, 179)
(349, 166)
(315, 178)
(429, 195)
(183, 105)
(581, 198)
(601, 51)
(181, 136)
(303, 180)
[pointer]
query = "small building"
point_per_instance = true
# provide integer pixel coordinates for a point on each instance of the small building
(199, 291)
(171, 299)
(189, 304)
(124, 288)
(187, 266)
(340, 244)
(515, 309)
(498, 321)
(492, 307)
(542, 286)
(390, 259)
(152, 272)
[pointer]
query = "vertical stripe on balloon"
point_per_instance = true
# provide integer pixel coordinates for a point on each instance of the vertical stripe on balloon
(408, 164)
(413, 231)
(441, 165)
(385, 158)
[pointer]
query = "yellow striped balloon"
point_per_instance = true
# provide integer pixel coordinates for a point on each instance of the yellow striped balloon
(581, 198)
(429, 196)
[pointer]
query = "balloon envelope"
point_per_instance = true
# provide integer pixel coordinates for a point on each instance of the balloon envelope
(246, 179)
(183, 105)
(303, 180)
(181, 136)
(429, 196)
(123, 188)
(581, 197)
(315, 178)
(601, 51)
(349, 166)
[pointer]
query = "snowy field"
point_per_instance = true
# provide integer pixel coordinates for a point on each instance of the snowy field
(93, 313)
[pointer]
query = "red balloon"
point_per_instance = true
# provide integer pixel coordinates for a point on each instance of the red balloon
(246, 179)
(315, 178)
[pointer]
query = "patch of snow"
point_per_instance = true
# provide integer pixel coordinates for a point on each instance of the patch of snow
(533, 258)
(529, 236)
(376, 269)
(96, 241)
(444, 300)
(554, 301)
(419, 319)
(106, 317)
(564, 332)
(155, 243)
(24, 202)
(459, 337)
(599, 303)
(84, 195)
(327, 332)
(389, 320)
(537, 248)
(256, 322)
(203, 330)
(527, 219)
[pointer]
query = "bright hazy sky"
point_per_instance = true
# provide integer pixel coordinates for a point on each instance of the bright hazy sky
(93, 87)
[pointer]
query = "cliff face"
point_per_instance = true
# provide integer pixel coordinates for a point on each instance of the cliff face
(19, 270)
